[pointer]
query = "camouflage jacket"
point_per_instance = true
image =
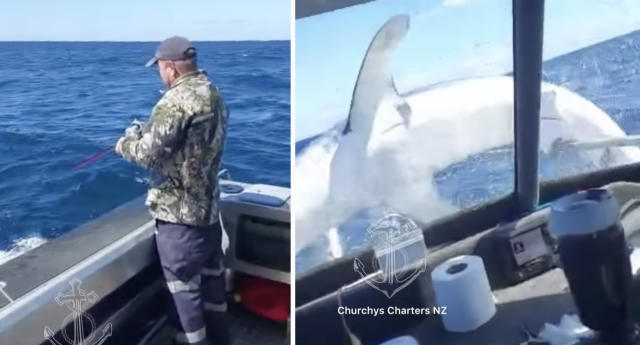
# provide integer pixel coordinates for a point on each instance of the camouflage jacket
(183, 142)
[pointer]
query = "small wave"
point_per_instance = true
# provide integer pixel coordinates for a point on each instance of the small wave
(20, 247)
(142, 180)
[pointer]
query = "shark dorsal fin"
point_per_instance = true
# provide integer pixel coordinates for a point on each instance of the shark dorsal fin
(375, 79)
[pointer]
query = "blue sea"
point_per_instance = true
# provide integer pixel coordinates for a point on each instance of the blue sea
(607, 73)
(63, 102)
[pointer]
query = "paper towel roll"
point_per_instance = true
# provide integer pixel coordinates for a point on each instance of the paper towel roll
(462, 286)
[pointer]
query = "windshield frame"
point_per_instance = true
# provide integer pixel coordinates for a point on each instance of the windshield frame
(528, 32)
(308, 8)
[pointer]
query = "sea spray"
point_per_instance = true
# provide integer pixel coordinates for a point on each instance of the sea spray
(20, 247)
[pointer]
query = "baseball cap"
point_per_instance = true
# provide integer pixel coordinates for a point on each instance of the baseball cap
(173, 48)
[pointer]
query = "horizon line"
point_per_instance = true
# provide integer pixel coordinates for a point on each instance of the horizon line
(135, 41)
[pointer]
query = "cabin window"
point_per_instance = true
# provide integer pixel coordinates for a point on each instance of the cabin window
(454, 151)
(590, 113)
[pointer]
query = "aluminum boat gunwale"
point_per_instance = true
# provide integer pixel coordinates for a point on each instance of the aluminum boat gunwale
(102, 271)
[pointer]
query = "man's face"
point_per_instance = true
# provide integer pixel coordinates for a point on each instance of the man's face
(168, 72)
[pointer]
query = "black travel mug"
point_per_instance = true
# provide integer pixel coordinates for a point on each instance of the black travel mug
(595, 258)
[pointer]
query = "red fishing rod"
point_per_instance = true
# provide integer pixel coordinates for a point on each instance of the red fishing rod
(93, 158)
(132, 131)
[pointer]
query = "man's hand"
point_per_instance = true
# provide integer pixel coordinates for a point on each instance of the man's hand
(118, 147)
(134, 130)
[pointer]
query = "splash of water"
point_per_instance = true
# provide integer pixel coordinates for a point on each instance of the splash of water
(20, 247)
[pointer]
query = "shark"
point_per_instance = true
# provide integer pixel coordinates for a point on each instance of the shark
(392, 143)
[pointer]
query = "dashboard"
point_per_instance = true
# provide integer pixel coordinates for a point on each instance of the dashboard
(522, 265)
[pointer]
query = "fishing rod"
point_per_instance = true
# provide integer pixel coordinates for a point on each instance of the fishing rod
(93, 158)
(134, 130)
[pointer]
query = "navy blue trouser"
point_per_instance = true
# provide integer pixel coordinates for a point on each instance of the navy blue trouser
(191, 259)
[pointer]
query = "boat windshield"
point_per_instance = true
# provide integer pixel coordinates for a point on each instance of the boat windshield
(590, 109)
(441, 141)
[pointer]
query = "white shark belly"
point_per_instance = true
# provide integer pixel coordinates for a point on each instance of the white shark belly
(583, 121)
(469, 117)
(448, 125)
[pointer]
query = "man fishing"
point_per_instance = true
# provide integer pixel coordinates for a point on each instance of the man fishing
(182, 143)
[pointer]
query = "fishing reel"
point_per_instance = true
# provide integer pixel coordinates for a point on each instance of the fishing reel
(134, 130)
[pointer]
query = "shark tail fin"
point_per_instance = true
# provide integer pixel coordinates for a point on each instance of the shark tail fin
(375, 80)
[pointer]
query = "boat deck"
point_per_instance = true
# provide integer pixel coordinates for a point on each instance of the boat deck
(246, 329)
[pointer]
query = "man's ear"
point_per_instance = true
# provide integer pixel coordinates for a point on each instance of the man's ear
(174, 69)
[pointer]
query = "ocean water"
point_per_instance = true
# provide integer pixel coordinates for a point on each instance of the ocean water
(607, 73)
(63, 102)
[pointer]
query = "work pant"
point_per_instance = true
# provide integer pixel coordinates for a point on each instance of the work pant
(191, 259)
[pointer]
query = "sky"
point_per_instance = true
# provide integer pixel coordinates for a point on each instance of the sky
(144, 20)
(447, 39)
